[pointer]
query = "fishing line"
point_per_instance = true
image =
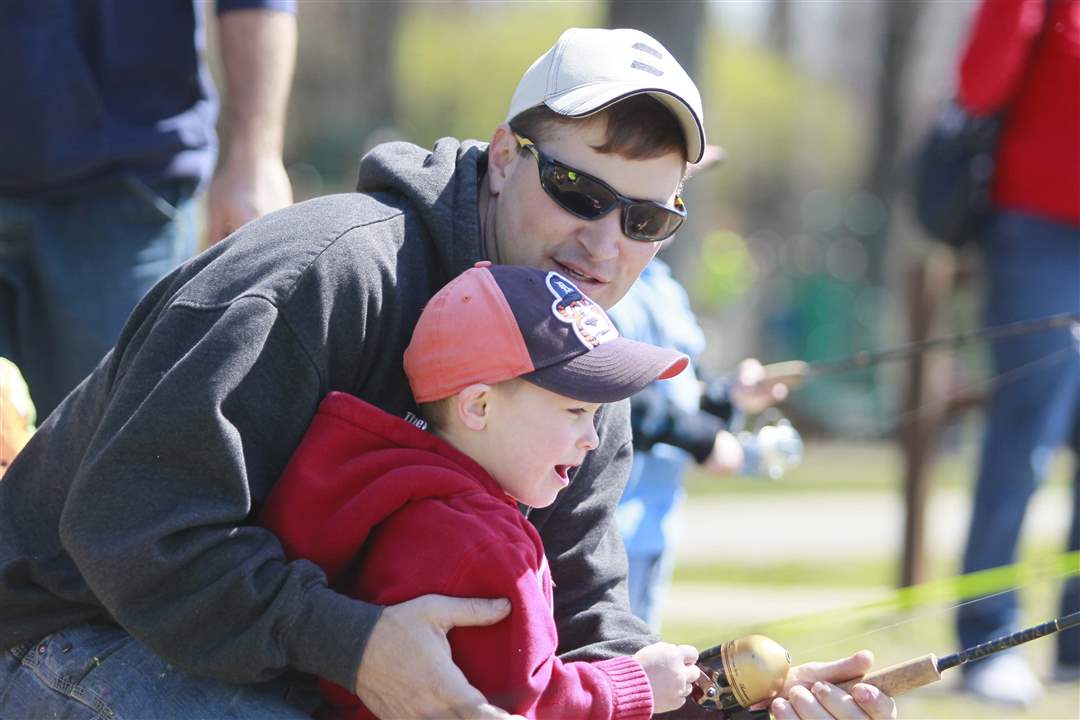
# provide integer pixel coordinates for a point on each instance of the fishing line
(970, 588)
(994, 382)
(869, 358)
(899, 602)
(799, 371)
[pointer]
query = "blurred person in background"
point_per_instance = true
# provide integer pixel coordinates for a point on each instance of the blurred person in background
(127, 541)
(108, 127)
(1023, 59)
(677, 422)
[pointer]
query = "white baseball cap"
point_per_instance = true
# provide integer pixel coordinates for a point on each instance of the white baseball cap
(589, 69)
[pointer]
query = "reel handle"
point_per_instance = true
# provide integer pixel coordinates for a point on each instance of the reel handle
(898, 679)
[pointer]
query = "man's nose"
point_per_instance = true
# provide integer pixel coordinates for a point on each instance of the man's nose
(602, 237)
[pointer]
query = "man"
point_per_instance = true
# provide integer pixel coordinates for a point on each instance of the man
(108, 128)
(126, 541)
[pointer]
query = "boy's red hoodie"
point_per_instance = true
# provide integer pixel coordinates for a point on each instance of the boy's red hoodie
(391, 512)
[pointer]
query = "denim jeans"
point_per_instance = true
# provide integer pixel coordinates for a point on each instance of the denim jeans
(98, 672)
(648, 580)
(72, 270)
(1033, 270)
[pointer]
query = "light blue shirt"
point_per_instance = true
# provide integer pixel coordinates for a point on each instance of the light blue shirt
(657, 310)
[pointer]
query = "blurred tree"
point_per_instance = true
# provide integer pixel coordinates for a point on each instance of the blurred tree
(883, 172)
(345, 69)
(778, 32)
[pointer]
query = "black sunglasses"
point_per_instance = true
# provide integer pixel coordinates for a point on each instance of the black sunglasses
(591, 198)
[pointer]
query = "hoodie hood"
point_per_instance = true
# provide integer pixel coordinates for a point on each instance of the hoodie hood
(443, 184)
(356, 466)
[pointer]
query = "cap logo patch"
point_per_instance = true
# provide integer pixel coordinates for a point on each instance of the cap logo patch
(590, 323)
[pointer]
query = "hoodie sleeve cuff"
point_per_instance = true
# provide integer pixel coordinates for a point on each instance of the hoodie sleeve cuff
(329, 635)
(631, 693)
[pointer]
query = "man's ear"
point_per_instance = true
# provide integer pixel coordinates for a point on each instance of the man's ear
(471, 406)
(503, 152)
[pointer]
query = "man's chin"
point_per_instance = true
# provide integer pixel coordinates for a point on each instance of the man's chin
(604, 294)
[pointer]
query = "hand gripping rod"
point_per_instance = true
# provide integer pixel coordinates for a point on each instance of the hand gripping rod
(911, 674)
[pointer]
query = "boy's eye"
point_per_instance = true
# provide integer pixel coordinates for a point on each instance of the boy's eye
(578, 411)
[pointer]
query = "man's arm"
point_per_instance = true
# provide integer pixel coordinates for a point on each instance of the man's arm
(197, 428)
(657, 418)
(258, 49)
(1003, 34)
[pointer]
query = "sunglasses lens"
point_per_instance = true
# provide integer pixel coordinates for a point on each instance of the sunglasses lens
(575, 192)
(650, 222)
(589, 199)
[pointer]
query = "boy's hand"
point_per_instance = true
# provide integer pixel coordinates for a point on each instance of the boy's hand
(809, 693)
(671, 672)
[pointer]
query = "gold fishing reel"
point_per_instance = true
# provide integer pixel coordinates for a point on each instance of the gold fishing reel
(740, 673)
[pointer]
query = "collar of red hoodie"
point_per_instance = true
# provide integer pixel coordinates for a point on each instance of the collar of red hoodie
(343, 480)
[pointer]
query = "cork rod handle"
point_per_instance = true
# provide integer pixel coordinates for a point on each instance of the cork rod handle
(790, 372)
(898, 679)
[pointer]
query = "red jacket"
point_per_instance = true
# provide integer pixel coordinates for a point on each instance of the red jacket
(1008, 64)
(421, 517)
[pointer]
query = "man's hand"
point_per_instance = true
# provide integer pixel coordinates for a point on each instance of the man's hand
(671, 671)
(407, 671)
(242, 190)
(809, 693)
(726, 457)
(751, 392)
(258, 52)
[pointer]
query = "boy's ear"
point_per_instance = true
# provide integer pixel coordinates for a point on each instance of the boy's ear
(502, 153)
(472, 406)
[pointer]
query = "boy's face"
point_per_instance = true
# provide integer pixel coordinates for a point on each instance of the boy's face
(531, 229)
(533, 438)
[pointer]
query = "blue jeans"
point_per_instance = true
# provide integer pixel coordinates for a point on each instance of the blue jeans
(72, 270)
(648, 581)
(99, 672)
(649, 515)
(1033, 270)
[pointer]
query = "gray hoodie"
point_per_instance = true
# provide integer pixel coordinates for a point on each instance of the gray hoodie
(133, 503)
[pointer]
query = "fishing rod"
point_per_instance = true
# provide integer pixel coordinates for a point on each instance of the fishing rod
(752, 670)
(793, 372)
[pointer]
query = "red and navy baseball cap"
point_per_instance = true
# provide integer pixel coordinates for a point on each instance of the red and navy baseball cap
(493, 323)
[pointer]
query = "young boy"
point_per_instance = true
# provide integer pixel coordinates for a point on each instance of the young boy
(509, 365)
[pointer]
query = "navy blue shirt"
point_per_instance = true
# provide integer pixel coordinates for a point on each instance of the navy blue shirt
(98, 89)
